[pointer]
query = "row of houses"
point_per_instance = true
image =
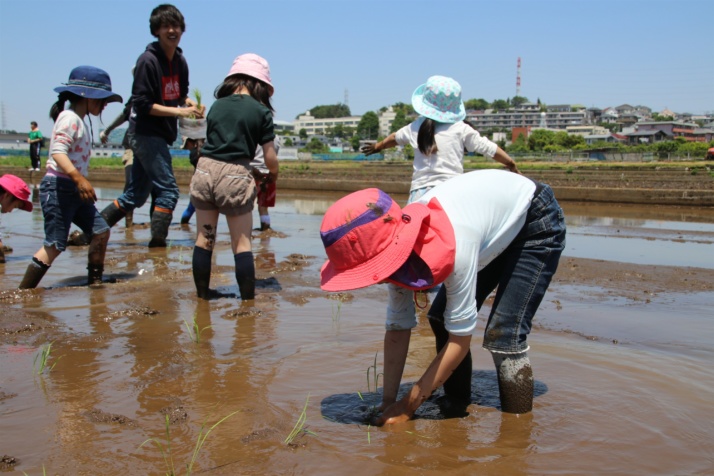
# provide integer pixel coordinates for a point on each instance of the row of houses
(527, 115)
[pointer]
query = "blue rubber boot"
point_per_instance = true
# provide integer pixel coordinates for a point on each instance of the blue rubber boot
(187, 214)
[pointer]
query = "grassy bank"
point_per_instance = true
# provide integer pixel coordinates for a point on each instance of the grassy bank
(470, 163)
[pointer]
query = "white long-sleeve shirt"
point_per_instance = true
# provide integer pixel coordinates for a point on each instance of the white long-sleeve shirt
(448, 161)
(70, 136)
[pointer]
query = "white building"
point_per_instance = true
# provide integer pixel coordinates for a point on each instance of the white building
(315, 126)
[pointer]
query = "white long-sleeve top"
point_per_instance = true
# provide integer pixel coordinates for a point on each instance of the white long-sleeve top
(448, 161)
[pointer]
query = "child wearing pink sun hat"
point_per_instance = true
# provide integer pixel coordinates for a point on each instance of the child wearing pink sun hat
(239, 123)
(14, 193)
(474, 233)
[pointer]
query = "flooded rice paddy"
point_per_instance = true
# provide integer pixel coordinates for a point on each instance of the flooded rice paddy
(139, 370)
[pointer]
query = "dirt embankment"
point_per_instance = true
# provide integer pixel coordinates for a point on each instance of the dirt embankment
(666, 184)
(690, 186)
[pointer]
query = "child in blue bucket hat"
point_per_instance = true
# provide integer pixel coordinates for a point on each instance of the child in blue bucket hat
(66, 195)
(439, 136)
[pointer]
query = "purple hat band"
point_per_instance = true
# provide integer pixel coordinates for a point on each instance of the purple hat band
(383, 204)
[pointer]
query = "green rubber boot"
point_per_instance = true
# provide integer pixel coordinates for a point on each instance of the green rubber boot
(112, 213)
(160, 222)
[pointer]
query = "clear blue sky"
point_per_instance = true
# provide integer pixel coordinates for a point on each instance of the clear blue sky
(656, 53)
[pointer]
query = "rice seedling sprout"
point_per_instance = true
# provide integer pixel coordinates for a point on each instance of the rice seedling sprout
(202, 439)
(194, 331)
(375, 375)
(299, 427)
(42, 359)
(168, 456)
(167, 452)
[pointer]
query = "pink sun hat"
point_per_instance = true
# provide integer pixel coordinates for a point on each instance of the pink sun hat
(17, 187)
(368, 237)
(254, 66)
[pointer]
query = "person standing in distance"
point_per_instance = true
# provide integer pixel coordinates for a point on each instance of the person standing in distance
(35, 140)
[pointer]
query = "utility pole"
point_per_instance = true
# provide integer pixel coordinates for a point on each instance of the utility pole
(3, 120)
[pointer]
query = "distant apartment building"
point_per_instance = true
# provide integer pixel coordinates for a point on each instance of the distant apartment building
(589, 130)
(529, 115)
(385, 121)
(314, 126)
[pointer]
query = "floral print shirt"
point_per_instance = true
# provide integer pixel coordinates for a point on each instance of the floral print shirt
(70, 136)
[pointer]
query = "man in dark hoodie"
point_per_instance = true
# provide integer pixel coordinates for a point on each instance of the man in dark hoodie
(159, 91)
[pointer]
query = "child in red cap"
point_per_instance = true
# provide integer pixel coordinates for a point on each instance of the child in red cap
(14, 193)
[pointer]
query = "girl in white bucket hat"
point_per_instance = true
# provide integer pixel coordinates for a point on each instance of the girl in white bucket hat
(439, 136)
(240, 121)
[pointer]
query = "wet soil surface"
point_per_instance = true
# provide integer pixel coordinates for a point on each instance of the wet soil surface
(622, 349)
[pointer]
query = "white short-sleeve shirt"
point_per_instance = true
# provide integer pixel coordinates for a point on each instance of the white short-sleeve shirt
(487, 210)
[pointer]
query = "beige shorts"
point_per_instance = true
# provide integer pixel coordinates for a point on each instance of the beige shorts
(228, 187)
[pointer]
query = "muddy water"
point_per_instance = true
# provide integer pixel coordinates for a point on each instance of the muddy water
(622, 359)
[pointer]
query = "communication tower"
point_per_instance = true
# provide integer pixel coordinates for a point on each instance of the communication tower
(518, 77)
(347, 97)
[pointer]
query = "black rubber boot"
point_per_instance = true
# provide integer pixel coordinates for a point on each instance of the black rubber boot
(35, 272)
(201, 266)
(95, 272)
(245, 274)
(160, 222)
(112, 213)
(515, 382)
(458, 386)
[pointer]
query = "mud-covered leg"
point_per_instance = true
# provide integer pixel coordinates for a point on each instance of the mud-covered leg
(515, 381)
(33, 275)
(95, 258)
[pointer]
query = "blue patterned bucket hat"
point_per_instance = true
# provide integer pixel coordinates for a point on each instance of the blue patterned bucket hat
(439, 99)
(90, 82)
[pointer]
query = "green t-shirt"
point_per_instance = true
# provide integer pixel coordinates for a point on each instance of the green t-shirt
(235, 126)
(35, 135)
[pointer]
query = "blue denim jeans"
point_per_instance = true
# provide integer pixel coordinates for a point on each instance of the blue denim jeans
(415, 195)
(62, 206)
(151, 170)
(521, 273)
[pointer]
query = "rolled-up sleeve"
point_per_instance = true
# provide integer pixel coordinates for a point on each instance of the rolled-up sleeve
(475, 142)
(401, 314)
